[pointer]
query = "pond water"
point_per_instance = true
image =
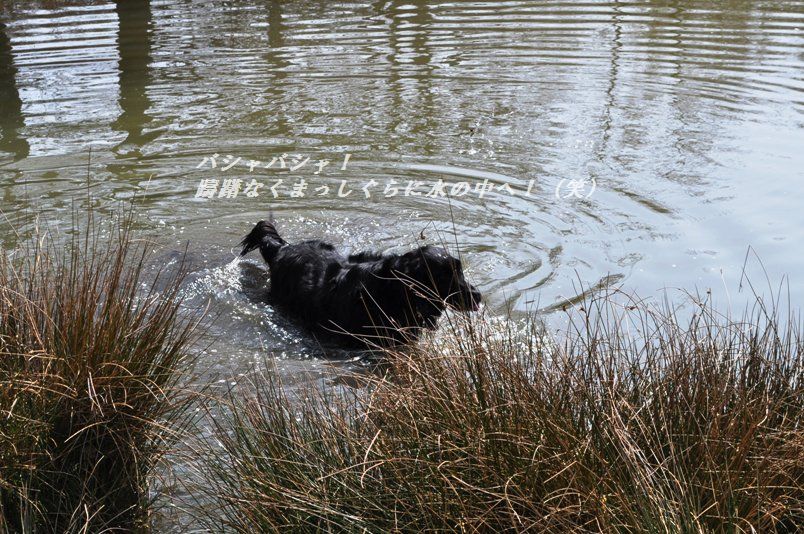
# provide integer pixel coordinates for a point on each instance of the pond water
(583, 144)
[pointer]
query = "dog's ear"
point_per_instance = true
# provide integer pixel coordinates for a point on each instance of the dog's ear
(404, 266)
(412, 276)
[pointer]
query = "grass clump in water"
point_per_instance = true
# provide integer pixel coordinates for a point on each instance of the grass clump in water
(90, 357)
(634, 422)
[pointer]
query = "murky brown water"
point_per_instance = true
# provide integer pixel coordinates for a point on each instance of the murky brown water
(643, 143)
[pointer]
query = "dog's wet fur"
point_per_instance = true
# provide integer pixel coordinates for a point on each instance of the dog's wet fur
(365, 299)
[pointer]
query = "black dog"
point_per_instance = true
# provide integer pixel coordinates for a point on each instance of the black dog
(367, 298)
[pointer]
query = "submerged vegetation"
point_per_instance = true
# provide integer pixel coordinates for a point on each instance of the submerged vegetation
(635, 419)
(90, 360)
(634, 423)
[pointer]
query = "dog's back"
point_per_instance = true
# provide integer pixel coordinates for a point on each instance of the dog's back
(302, 278)
(317, 284)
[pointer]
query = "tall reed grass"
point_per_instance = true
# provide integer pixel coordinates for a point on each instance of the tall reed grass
(91, 352)
(635, 420)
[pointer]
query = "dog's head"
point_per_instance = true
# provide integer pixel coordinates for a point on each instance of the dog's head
(435, 274)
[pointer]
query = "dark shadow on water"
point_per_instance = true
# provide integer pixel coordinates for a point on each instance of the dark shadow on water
(135, 28)
(255, 283)
(11, 117)
(134, 47)
(278, 72)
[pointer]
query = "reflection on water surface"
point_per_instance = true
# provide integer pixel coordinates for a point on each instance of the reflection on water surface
(685, 115)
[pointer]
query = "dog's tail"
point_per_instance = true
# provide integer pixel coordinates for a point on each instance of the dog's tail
(264, 237)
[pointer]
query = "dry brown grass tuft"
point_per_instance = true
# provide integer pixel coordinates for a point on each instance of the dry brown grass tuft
(90, 359)
(634, 422)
